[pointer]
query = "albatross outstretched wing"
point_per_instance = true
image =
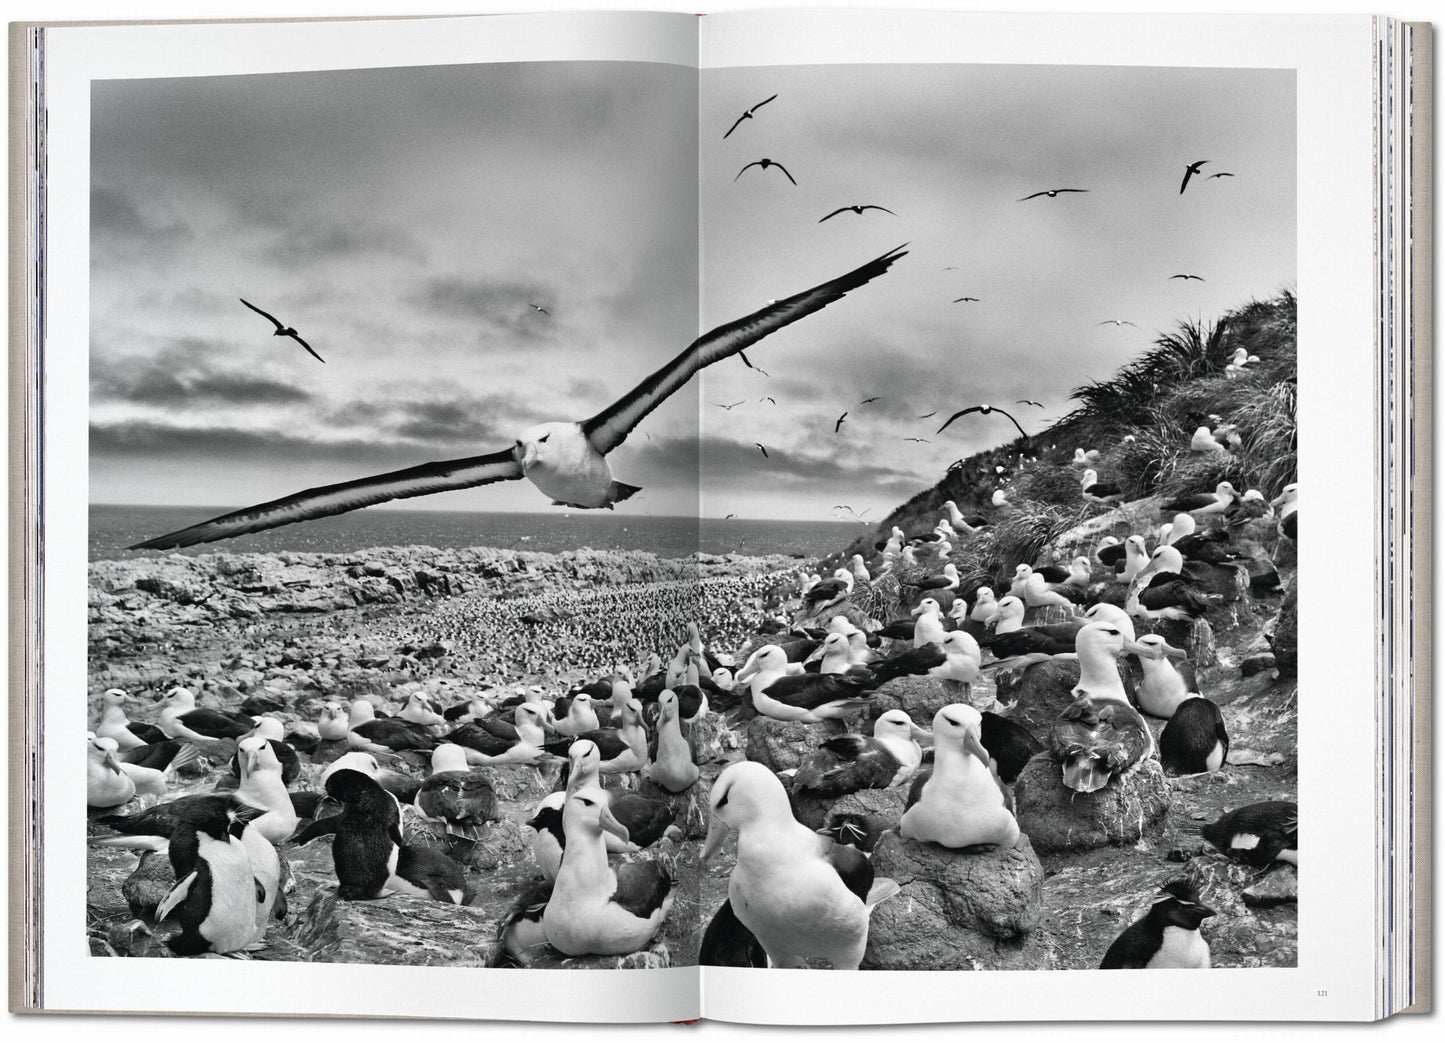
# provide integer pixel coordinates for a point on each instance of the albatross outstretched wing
(326, 500)
(610, 428)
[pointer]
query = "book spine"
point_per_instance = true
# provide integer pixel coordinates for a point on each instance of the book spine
(27, 329)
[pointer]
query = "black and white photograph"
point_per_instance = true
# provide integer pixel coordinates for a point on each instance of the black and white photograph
(611, 515)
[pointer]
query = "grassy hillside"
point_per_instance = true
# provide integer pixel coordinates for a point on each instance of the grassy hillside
(1140, 421)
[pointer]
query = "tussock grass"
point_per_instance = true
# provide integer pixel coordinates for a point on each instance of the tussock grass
(1159, 399)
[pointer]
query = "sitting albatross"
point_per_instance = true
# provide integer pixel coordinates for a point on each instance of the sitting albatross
(566, 460)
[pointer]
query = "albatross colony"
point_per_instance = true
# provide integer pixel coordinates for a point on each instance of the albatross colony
(726, 760)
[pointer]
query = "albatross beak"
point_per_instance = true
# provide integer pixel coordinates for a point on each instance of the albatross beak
(1142, 650)
(110, 762)
(972, 744)
(918, 732)
(1175, 653)
(716, 833)
(609, 823)
(746, 673)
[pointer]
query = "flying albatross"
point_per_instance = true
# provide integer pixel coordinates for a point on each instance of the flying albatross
(566, 460)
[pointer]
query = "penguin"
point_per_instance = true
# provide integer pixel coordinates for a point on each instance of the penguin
(1168, 935)
(596, 908)
(961, 803)
(672, 768)
(1194, 740)
(548, 840)
(727, 943)
(216, 897)
(1258, 834)
(801, 895)
(520, 935)
(370, 856)
(106, 784)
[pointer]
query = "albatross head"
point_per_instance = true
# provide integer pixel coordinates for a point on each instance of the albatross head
(546, 444)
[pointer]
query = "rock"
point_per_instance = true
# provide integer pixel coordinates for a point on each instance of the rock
(954, 908)
(397, 930)
(1229, 583)
(1058, 819)
(1047, 615)
(134, 939)
(148, 885)
(782, 745)
(1284, 634)
(1195, 637)
(919, 697)
(1036, 696)
(1280, 887)
(1257, 664)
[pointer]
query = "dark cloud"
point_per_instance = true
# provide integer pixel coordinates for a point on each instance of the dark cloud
(185, 375)
(149, 439)
(115, 215)
(477, 421)
(724, 465)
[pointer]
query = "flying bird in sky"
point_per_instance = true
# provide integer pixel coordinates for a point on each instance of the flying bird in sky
(875, 398)
(727, 516)
(1222, 173)
(1116, 322)
(566, 460)
(838, 424)
(1030, 402)
(1051, 193)
(767, 398)
(748, 115)
(1182, 276)
(924, 440)
(761, 448)
(960, 300)
(857, 208)
(1189, 172)
(925, 416)
(749, 364)
(538, 307)
(731, 407)
(984, 410)
(282, 330)
(764, 164)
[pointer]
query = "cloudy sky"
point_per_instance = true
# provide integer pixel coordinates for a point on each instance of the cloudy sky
(404, 221)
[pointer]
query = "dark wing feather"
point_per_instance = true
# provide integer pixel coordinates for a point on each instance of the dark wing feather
(961, 412)
(642, 887)
(297, 338)
(915, 791)
(279, 325)
(217, 724)
(810, 691)
(326, 500)
(646, 819)
(727, 943)
(610, 428)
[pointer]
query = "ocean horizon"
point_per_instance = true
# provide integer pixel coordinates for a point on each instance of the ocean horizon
(114, 527)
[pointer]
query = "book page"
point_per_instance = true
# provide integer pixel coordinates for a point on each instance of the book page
(1117, 232)
(284, 257)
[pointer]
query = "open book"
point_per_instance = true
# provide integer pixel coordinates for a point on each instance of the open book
(703, 509)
